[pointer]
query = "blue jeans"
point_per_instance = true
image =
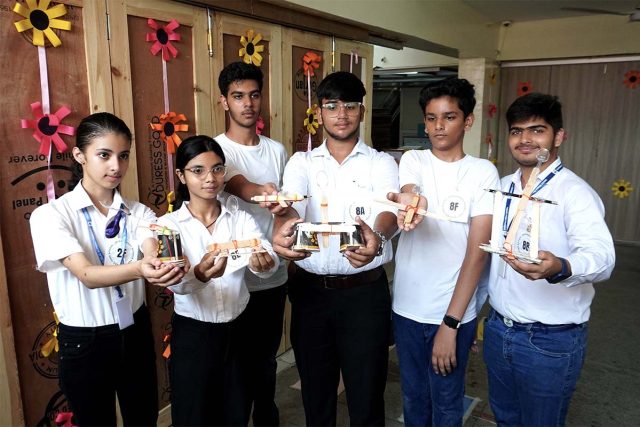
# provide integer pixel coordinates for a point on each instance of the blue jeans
(533, 370)
(427, 398)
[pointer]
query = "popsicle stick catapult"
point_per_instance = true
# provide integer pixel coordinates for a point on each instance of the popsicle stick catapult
(281, 199)
(235, 247)
(508, 249)
(412, 209)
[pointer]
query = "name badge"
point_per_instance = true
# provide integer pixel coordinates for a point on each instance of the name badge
(456, 208)
(117, 253)
(361, 208)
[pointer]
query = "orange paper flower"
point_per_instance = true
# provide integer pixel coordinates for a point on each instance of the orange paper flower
(169, 126)
(524, 88)
(250, 50)
(311, 62)
(632, 79)
(311, 122)
(162, 36)
(42, 20)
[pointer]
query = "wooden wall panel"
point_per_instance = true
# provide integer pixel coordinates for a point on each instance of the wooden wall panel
(601, 121)
(27, 316)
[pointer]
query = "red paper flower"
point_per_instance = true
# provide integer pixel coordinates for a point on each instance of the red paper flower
(162, 38)
(47, 128)
(311, 62)
(524, 88)
(492, 109)
(632, 79)
(259, 125)
(168, 126)
(66, 418)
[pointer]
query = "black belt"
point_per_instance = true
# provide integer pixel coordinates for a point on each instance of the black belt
(339, 281)
(535, 325)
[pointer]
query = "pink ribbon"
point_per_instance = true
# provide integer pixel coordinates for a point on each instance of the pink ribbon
(354, 54)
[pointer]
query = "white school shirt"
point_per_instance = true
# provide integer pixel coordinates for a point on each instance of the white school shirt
(59, 229)
(429, 258)
(574, 230)
(260, 164)
(222, 299)
(350, 187)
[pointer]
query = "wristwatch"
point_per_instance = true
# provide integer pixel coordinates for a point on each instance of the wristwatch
(451, 321)
(383, 241)
(562, 275)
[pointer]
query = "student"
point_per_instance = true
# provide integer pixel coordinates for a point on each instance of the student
(255, 165)
(340, 303)
(207, 384)
(535, 337)
(438, 262)
(87, 242)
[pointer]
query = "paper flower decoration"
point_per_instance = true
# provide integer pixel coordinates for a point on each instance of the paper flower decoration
(259, 125)
(162, 36)
(51, 345)
(524, 88)
(65, 419)
(632, 79)
(250, 50)
(311, 62)
(311, 122)
(47, 128)
(168, 126)
(492, 109)
(42, 20)
(622, 188)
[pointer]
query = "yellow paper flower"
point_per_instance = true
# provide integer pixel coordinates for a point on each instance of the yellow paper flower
(42, 19)
(311, 122)
(622, 188)
(250, 50)
(51, 345)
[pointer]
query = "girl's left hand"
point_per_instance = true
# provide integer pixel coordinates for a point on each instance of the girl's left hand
(261, 261)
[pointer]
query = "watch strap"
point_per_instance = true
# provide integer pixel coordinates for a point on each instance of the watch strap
(451, 321)
(562, 274)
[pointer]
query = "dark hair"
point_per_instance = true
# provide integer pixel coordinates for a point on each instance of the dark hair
(459, 89)
(187, 150)
(546, 107)
(237, 71)
(91, 127)
(343, 86)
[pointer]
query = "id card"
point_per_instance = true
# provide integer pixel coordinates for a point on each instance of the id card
(456, 208)
(123, 307)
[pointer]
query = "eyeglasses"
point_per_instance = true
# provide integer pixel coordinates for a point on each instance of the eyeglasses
(202, 173)
(333, 108)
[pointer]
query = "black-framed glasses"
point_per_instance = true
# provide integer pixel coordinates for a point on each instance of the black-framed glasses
(202, 173)
(333, 108)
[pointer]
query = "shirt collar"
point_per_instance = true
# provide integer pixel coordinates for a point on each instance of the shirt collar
(323, 151)
(184, 214)
(79, 199)
(517, 177)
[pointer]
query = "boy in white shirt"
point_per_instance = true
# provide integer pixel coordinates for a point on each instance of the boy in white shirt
(255, 166)
(438, 262)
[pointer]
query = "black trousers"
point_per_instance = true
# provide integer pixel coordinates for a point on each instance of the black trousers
(346, 330)
(208, 382)
(96, 363)
(261, 333)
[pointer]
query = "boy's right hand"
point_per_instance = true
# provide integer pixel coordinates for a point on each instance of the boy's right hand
(406, 199)
(284, 238)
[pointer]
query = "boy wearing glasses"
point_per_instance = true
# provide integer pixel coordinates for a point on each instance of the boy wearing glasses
(255, 166)
(340, 302)
(438, 260)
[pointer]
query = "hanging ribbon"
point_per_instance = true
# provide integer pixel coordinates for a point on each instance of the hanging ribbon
(162, 36)
(42, 20)
(310, 62)
(354, 54)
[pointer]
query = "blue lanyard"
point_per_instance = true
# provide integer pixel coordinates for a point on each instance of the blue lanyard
(96, 248)
(540, 186)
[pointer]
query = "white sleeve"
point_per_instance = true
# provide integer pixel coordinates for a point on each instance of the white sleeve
(295, 180)
(384, 179)
(483, 200)
(592, 254)
(410, 170)
(53, 238)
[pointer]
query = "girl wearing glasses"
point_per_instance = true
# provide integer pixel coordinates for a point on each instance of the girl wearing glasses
(87, 241)
(207, 387)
